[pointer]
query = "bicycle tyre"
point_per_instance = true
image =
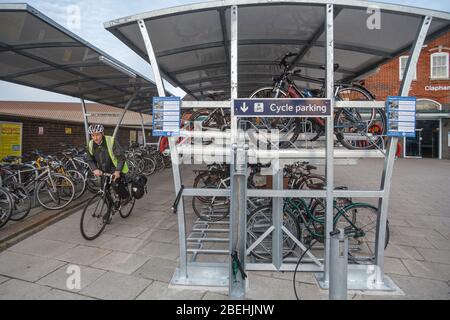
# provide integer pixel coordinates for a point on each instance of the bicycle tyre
(266, 254)
(6, 206)
(20, 193)
(102, 218)
(43, 183)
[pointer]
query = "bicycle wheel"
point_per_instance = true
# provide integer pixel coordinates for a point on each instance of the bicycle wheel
(79, 182)
(149, 167)
(362, 219)
(6, 206)
(259, 221)
(359, 128)
(126, 210)
(55, 193)
(94, 217)
(93, 183)
(21, 203)
(288, 128)
(214, 209)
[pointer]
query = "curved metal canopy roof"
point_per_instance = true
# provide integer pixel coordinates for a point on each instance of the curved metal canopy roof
(37, 52)
(192, 42)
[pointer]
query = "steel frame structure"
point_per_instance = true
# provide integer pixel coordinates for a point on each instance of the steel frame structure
(219, 274)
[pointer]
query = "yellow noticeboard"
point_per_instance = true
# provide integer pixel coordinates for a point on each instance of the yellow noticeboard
(10, 139)
(68, 130)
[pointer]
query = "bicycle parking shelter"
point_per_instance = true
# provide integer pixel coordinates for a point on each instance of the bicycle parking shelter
(206, 48)
(37, 52)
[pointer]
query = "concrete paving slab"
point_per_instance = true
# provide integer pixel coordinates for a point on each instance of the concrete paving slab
(3, 279)
(429, 270)
(82, 255)
(265, 288)
(126, 230)
(422, 289)
(161, 291)
(398, 251)
(121, 262)
(395, 266)
(413, 241)
(55, 294)
(165, 236)
(116, 286)
(432, 255)
(58, 278)
(43, 248)
(161, 250)
(71, 234)
(124, 244)
(21, 290)
(438, 243)
(157, 269)
(214, 296)
(26, 267)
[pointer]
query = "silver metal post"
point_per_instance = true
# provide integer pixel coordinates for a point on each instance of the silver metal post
(234, 69)
(116, 130)
(183, 271)
(238, 218)
(338, 265)
(329, 171)
(144, 139)
(238, 213)
(392, 146)
(277, 218)
(85, 119)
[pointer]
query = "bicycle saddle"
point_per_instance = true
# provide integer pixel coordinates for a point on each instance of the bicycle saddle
(309, 168)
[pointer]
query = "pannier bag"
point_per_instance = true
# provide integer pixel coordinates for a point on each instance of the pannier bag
(139, 186)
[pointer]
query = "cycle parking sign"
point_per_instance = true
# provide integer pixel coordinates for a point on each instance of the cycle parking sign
(401, 115)
(166, 116)
(282, 107)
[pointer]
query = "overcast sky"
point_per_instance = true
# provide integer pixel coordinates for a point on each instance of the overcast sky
(95, 12)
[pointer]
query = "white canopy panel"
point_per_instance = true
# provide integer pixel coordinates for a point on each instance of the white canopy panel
(192, 42)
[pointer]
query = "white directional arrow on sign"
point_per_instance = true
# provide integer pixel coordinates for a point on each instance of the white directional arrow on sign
(244, 107)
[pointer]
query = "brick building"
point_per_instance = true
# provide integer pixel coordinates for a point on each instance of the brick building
(431, 86)
(47, 126)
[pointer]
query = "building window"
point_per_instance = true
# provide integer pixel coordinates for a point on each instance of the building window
(402, 67)
(439, 65)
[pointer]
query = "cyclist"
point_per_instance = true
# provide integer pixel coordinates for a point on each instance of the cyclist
(106, 155)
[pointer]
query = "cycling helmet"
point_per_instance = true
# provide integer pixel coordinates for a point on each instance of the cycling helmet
(96, 128)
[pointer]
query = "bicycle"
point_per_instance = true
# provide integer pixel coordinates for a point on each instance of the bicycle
(307, 224)
(355, 128)
(53, 191)
(101, 208)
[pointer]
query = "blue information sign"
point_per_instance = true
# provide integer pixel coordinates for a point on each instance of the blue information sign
(401, 116)
(166, 116)
(282, 107)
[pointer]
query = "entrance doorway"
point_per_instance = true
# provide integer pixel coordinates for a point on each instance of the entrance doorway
(426, 143)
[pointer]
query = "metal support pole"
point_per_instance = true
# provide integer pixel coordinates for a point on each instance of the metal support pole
(383, 204)
(329, 171)
(234, 69)
(338, 265)
(85, 119)
(277, 218)
(238, 216)
(183, 271)
(116, 130)
(144, 139)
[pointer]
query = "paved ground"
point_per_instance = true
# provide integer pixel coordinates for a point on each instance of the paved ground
(136, 258)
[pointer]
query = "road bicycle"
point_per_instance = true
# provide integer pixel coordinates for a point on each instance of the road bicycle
(307, 224)
(355, 128)
(101, 208)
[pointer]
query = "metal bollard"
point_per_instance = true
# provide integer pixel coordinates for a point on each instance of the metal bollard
(338, 265)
